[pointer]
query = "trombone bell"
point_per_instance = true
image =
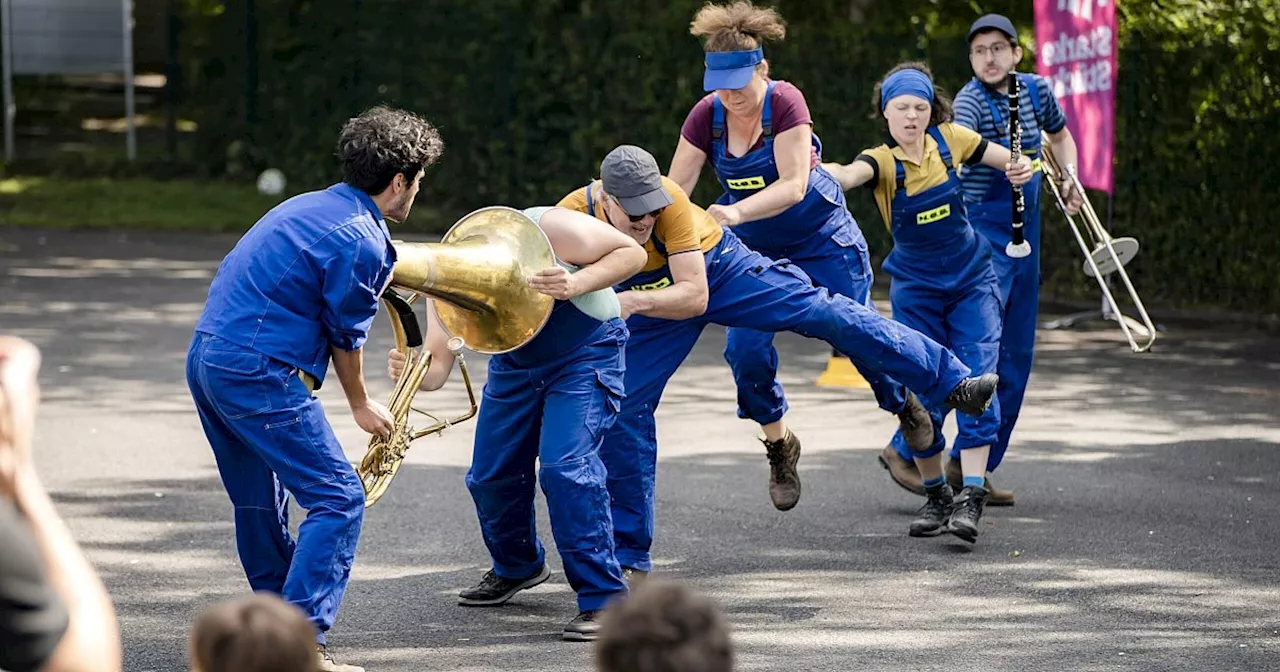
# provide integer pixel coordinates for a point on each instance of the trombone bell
(477, 280)
(1126, 249)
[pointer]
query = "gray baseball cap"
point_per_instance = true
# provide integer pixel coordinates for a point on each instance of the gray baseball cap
(993, 22)
(631, 175)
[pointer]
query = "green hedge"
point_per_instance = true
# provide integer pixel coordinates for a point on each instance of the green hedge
(529, 96)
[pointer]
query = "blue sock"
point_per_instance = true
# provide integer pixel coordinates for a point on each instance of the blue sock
(934, 482)
(974, 481)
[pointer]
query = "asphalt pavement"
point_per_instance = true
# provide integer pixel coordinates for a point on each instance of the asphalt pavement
(1142, 539)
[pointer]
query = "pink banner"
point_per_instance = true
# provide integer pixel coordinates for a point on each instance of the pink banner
(1076, 53)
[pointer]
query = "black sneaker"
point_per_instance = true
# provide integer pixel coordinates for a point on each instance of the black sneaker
(917, 426)
(583, 628)
(494, 590)
(932, 518)
(973, 395)
(784, 480)
(967, 513)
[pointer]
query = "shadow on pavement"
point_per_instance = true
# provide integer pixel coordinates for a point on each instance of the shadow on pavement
(1140, 560)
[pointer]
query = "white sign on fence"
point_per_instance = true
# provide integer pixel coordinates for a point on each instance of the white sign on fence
(64, 37)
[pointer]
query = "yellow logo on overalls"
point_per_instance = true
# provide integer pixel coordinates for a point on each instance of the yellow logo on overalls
(747, 183)
(657, 284)
(931, 216)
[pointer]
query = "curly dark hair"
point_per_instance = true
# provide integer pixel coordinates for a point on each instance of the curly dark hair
(663, 626)
(941, 99)
(382, 142)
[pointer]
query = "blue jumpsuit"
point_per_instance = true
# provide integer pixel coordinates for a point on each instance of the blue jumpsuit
(944, 286)
(304, 279)
(745, 289)
(1019, 278)
(550, 402)
(818, 235)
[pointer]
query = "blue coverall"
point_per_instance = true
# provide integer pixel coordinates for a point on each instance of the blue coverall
(305, 278)
(818, 235)
(745, 289)
(943, 285)
(551, 402)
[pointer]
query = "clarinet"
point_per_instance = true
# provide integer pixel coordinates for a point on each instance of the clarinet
(1018, 247)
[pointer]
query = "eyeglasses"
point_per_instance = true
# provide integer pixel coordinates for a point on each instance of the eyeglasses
(655, 214)
(636, 218)
(998, 49)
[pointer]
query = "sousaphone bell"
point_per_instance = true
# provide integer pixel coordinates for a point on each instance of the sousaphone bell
(476, 277)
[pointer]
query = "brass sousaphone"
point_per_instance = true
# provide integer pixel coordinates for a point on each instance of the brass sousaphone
(476, 277)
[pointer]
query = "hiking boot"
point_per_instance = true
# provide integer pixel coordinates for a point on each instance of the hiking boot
(903, 472)
(917, 426)
(583, 628)
(494, 590)
(995, 496)
(634, 577)
(784, 480)
(967, 513)
(328, 664)
(973, 395)
(932, 517)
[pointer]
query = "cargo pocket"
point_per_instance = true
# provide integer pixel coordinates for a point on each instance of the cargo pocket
(857, 259)
(239, 382)
(781, 274)
(606, 403)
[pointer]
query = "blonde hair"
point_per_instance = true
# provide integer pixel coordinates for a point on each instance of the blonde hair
(737, 27)
(256, 633)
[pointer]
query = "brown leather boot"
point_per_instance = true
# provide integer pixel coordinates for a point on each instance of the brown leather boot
(784, 479)
(917, 426)
(903, 472)
(995, 496)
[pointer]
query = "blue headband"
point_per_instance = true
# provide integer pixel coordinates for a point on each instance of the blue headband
(910, 82)
(730, 69)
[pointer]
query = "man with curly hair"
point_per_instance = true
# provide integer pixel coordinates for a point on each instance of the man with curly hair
(299, 290)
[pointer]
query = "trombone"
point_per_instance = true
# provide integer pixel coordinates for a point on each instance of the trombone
(1109, 255)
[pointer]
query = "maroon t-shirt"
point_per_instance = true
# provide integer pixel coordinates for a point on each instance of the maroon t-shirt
(789, 110)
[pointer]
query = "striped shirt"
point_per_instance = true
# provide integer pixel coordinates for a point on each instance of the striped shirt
(973, 109)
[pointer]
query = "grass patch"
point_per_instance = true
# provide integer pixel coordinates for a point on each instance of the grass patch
(103, 203)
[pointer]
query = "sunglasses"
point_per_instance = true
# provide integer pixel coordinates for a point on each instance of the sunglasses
(655, 214)
(636, 218)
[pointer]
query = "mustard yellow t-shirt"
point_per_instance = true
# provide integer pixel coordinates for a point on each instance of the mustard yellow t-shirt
(966, 147)
(682, 227)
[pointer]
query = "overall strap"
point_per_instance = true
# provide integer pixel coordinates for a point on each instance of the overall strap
(591, 206)
(943, 149)
(1026, 83)
(657, 244)
(1032, 86)
(997, 117)
(766, 115)
(717, 119)
(899, 175)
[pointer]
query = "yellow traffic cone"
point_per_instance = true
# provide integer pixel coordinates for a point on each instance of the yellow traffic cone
(842, 373)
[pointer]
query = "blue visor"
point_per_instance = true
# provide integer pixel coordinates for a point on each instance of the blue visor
(730, 69)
